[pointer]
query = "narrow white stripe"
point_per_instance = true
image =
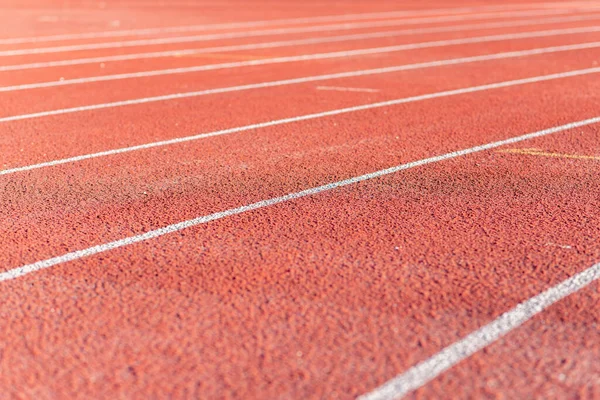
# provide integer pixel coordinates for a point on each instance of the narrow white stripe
(316, 78)
(267, 32)
(422, 373)
(347, 89)
(249, 24)
(305, 57)
(29, 268)
(298, 42)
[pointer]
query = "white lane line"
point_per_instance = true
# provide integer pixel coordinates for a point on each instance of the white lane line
(388, 103)
(298, 42)
(43, 264)
(48, 18)
(267, 32)
(316, 78)
(347, 89)
(251, 24)
(422, 373)
(304, 57)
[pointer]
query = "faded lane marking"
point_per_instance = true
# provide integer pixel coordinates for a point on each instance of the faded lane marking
(347, 89)
(542, 153)
(220, 56)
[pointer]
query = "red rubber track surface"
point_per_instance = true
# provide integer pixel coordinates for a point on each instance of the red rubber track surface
(327, 296)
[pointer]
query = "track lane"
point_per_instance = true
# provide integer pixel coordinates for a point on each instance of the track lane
(550, 355)
(24, 22)
(163, 24)
(27, 21)
(117, 35)
(267, 275)
(49, 138)
(208, 175)
(207, 58)
(301, 320)
(215, 43)
(270, 30)
(130, 60)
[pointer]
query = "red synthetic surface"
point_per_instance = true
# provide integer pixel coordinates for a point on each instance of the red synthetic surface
(328, 296)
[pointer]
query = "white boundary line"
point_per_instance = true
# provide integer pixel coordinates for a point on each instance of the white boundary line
(388, 103)
(285, 43)
(255, 24)
(348, 89)
(268, 32)
(427, 370)
(43, 264)
(304, 57)
(316, 78)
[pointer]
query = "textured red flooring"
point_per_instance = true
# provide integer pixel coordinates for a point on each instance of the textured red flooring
(328, 296)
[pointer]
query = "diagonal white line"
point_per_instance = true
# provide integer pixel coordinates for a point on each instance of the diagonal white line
(305, 57)
(447, 93)
(254, 24)
(297, 42)
(422, 373)
(43, 264)
(266, 32)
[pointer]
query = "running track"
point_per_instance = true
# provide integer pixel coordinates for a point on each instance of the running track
(297, 200)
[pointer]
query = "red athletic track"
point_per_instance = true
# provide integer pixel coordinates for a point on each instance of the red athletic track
(328, 296)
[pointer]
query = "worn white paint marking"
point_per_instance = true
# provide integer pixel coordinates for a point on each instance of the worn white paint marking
(48, 18)
(257, 24)
(423, 373)
(347, 89)
(562, 246)
(257, 33)
(286, 43)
